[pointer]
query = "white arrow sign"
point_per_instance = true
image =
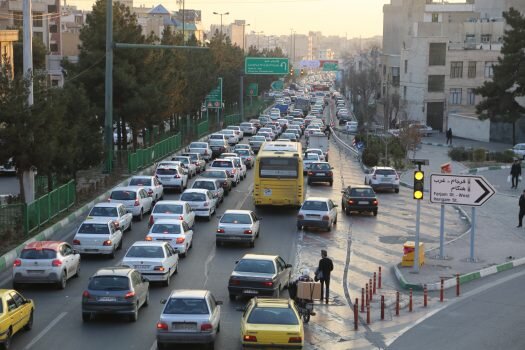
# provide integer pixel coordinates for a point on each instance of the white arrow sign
(470, 190)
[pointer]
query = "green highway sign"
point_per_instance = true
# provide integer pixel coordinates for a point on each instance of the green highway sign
(266, 65)
(330, 67)
(252, 89)
(277, 85)
(214, 98)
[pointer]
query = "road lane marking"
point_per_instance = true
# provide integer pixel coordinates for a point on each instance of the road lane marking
(154, 346)
(45, 330)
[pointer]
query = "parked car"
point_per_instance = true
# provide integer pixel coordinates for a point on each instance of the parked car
(188, 164)
(172, 176)
(135, 199)
(272, 323)
(351, 127)
(360, 198)
(203, 148)
(423, 129)
(382, 178)
(46, 262)
(222, 175)
(317, 212)
(258, 274)
(198, 160)
(155, 260)
(115, 290)
(320, 172)
(212, 185)
(176, 232)
(98, 236)
(199, 306)
(238, 226)
(17, 315)
(201, 202)
(112, 211)
(519, 150)
(151, 184)
(172, 210)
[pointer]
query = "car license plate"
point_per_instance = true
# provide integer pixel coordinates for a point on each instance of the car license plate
(164, 178)
(142, 267)
(35, 272)
(363, 202)
(386, 179)
(267, 192)
(321, 174)
(106, 299)
(184, 326)
(250, 291)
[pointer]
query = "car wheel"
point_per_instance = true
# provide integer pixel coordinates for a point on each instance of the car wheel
(77, 272)
(119, 247)
(329, 228)
(331, 183)
(252, 244)
(112, 254)
(366, 182)
(335, 221)
(208, 218)
(168, 279)
(135, 315)
(299, 226)
(86, 316)
(63, 281)
(182, 255)
(234, 184)
(7, 341)
(29, 324)
(146, 301)
(396, 190)
(232, 297)
(141, 215)
(347, 212)
(375, 212)
(211, 346)
(278, 292)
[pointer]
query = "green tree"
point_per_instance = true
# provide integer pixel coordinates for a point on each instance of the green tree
(499, 103)
(39, 54)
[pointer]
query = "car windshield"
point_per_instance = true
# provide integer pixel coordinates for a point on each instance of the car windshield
(214, 174)
(385, 172)
(37, 254)
(362, 192)
(104, 211)
(161, 208)
(145, 252)
(123, 195)
(254, 265)
(94, 229)
(230, 218)
(166, 171)
(165, 228)
(312, 156)
(206, 185)
(273, 315)
(221, 164)
(193, 156)
(198, 145)
(320, 166)
(315, 205)
(115, 283)
(180, 306)
(193, 197)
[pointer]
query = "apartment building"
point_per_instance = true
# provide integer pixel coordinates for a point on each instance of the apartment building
(7, 38)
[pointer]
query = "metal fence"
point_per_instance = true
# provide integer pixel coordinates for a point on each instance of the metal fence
(232, 119)
(144, 157)
(203, 128)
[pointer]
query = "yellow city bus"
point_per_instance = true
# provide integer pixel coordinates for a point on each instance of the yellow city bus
(278, 174)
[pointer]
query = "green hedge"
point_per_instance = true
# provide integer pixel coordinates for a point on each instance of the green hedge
(462, 154)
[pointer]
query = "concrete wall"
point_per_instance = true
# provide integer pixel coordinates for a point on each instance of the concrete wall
(469, 127)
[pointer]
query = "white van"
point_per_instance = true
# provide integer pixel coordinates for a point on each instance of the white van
(351, 127)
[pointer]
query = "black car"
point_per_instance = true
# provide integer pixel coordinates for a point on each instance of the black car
(360, 198)
(320, 172)
(221, 175)
(257, 274)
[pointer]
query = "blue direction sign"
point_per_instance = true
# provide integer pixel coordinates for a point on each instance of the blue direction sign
(266, 65)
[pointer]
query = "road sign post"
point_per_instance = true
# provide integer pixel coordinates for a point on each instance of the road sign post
(266, 66)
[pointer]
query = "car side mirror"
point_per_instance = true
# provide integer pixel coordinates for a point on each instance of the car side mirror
(219, 302)
(236, 261)
(336, 205)
(163, 301)
(288, 265)
(367, 171)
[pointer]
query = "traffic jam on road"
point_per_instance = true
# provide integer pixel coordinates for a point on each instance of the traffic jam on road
(191, 226)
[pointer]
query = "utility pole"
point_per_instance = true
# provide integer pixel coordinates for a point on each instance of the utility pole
(183, 22)
(28, 47)
(221, 14)
(108, 123)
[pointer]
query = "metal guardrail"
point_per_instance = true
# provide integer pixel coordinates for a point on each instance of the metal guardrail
(344, 144)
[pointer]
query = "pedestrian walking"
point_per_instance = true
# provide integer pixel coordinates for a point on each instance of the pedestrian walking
(515, 173)
(449, 136)
(520, 218)
(323, 273)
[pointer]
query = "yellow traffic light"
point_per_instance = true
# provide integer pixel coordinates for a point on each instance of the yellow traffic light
(419, 184)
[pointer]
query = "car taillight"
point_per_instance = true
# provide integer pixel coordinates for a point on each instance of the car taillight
(56, 263)
(295, 340)
(148, 238)
(249, 158)
(248, 232)
(351, 202)
(109, 199)
(330, 173)
(310, 173)
(150, 191)
(107, 243)
(129, 295)
(225, 183)
(220, 230)
(300, 216)
(137, 203)
(117, 224)
(151, 220)
(267, 284)
(76, 242)
(234, 282)
(158, 268)
(206, 327)
(162, 326)
(85, 294)
(375, 202)
(180, 240)
(250, 338)
(17, 262)
(326, 218)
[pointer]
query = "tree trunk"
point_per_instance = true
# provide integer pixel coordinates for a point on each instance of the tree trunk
(20, 175)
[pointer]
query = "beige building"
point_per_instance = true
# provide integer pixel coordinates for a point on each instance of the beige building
(7, 38)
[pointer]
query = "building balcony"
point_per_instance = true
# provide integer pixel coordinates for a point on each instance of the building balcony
(475, 46)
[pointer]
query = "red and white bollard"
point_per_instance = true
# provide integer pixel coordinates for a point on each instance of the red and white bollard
(442, 290)
(382, 307)
(397, 303)
(370, 289)
(425, 296)
(356, 320)
(362, 300)
(457, 284)
(374, 291)
(379, 279)
(410, 301)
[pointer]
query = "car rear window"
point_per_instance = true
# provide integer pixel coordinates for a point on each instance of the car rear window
(166, 171)
(246, 124)
(180, 306)
(123, 195)
(198, 145)
(37, 254)
(166, 228)
(161, 208)
(104, 211)
(222, 164)
(320, 166)
(183, 160)
(145, 181)
(254, 265)
(94, 229)
(242, 152)
(315, 205)
(362, 192)
(273, 315)
(214, 174)
(385, 172)
(145, 252)
(217, 142)
(193, 197)
(230, 218)
(193, 157)
(206, 185)
(109, 283)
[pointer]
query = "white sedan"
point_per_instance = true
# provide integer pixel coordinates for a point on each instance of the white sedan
(156, 261)
(112, 211)
(238, 226)
(178, 210)
(135, 199)
(151, 184)
(176, 232)
(308, 159)
(186, 163)
(201, 201)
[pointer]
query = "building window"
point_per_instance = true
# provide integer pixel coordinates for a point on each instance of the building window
(485, 38)
(437, 54)
(51, 8)
(18, 19)
(53, 28)
(472, 69)
(436, 83)
(395, 76)
(53, 47)
(406, 66)
(456, 69)
(404, 92)
(489, 69)
(435, 17)
(471, 97)
(37, 19)
(455, 97)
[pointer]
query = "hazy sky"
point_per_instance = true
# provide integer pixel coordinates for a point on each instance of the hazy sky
(353, 18)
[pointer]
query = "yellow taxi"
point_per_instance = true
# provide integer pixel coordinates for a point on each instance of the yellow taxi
(16, 313)
(273, 323)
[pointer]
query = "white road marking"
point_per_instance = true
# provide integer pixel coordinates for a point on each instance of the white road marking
(154, 346)
(241, 203)
(45, 330)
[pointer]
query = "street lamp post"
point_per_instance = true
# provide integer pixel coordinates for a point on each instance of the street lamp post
(244, 35)
(221, 14)
(258, 33)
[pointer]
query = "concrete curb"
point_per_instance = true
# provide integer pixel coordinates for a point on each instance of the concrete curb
(435, 144)
(485, 168)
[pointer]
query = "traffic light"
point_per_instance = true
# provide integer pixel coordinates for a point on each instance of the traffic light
(291, 71)
(419, 184)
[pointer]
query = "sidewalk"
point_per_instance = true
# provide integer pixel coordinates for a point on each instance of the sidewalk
(498, 242)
